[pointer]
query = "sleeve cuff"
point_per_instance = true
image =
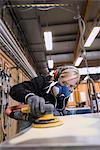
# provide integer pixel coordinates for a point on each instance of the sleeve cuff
(28, 95)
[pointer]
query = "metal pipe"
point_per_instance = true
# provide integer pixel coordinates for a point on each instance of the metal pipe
(90, 80)
(94, 91)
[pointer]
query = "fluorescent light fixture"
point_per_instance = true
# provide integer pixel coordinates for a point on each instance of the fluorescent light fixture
(91, 70)
(50, 64)
(48, 40)
(92, 36)
(78, 61)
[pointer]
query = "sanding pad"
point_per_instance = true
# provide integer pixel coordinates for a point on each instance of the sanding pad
(47, 121)
(49, 125)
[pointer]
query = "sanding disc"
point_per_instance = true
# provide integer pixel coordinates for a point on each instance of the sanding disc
(45, 121)
(48, 125)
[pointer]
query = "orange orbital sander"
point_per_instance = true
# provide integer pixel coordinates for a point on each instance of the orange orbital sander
(47, 120)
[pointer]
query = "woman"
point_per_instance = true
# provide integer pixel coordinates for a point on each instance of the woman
(45, 92)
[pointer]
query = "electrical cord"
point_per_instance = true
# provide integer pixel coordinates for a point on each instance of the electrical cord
(44, 8)
(82, 29)
(68, 10)
(25, 10)
(81, 41)
(48, 8)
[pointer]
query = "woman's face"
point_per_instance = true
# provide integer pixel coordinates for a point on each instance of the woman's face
(68, 79)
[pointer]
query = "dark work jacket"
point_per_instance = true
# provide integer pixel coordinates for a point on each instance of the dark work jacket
(38, 85)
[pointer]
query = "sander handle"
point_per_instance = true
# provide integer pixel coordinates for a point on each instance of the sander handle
(49, 108)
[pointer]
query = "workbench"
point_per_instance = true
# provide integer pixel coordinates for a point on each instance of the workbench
(79, 132)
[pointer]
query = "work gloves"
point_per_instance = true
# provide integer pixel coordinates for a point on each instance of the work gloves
(38, 107)
(36, 104)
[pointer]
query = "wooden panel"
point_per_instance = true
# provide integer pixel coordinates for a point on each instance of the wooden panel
(83, 88)
(8, 65)
(17, 76)
(25, 78)
(97, 84)
(77, 93)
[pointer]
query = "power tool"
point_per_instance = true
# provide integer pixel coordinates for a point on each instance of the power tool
(47, 120)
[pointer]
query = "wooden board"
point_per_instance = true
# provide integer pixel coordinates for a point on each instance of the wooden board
(77, 131)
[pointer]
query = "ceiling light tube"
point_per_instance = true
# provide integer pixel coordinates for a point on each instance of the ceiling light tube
(92, 36)
(48, 40)
(50, 64)
(78, 61)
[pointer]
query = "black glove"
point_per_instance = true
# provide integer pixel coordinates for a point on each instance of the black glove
(37, 105)
(60, 102)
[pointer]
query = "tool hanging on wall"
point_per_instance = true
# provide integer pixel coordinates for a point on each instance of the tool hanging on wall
(2, 106)
(4, 93)
(1, 68)
(6, 96)
(6, 84)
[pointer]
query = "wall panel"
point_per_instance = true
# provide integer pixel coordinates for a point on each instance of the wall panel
(17, 76)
